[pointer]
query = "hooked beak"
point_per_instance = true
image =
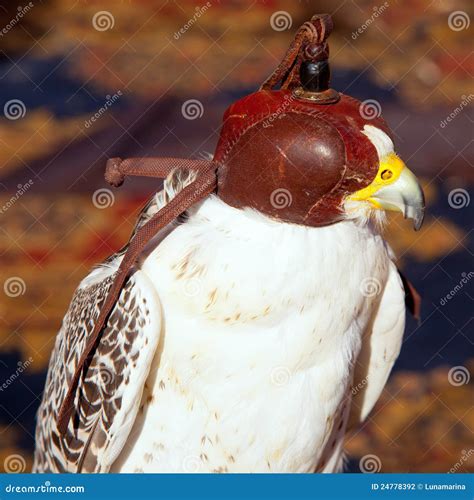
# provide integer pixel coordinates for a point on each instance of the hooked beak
(405, 195)
(396, 188)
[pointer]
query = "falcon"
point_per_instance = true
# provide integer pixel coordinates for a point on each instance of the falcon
(256, 313)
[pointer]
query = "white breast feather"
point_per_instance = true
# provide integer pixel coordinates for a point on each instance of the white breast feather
(264, 321)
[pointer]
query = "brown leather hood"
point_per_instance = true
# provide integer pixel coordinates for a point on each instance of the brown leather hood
(293, 159)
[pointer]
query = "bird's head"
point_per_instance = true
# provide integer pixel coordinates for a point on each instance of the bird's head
(394, 187)
(306, 154)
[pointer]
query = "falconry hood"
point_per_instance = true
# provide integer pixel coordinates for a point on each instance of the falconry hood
(295, 150)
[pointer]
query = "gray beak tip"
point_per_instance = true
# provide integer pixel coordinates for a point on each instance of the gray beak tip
(416, 213)
(417, 224)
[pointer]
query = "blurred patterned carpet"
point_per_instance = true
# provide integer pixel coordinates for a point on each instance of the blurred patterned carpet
(58, 218)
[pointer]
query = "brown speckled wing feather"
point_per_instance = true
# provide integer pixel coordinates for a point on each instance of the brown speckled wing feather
(111, 385)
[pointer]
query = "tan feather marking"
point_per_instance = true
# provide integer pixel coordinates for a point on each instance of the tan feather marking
(221, 469)
(206, 438)
(276, 455)
(212, 298)
(182, 267)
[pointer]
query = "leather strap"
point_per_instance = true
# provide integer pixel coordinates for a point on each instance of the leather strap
(116, 170)
(309, 40)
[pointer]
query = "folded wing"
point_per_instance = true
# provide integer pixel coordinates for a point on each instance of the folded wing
(112, 381)
(380, 348)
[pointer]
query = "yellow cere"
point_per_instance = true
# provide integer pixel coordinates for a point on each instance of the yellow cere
(389, 171)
